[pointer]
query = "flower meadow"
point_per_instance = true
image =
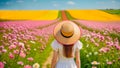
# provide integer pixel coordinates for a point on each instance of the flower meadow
(23, 44)
(101, 45)
(102, 26)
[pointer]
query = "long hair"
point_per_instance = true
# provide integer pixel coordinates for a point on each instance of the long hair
(68, 51)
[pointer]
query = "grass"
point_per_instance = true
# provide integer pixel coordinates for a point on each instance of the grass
(59, 15)
(45, 54)
(112, 11)
(114, 36)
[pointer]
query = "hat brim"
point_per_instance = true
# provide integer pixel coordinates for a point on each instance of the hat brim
(74, 38)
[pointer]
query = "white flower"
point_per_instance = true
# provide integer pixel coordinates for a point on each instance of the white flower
(107, 60)
(36, 65)
(95, 63)
(90, 53)
(34, 49)
(87, 55)
(87, 45)
(86, 39)
(32, 42)
(4, 62)
(95, 53)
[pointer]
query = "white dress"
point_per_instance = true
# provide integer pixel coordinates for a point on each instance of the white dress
(64, 62)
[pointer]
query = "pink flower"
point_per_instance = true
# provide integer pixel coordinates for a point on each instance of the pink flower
(22, 54)
(27, 66)
(96, 44)
(21, 44)
(16, 51)
(1, 65)
(28, 49)
(30, 59)
(108, 37)
(101, 38)
(109, 62)
(92, 40)
(104, 49)
(12, 46)
(117, 47)
(1, 47)
(15, 43)
(4, 50)
(109, 44)
(11, 55)
(20, 63)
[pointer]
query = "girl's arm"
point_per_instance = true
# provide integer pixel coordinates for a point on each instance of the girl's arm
(78, 59)
(54, 59)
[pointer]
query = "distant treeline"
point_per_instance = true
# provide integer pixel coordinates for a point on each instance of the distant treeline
(112, 11)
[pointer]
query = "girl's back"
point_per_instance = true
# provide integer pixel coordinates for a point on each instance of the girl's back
(63, 61)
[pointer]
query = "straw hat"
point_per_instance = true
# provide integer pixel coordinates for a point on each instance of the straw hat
(67, 32)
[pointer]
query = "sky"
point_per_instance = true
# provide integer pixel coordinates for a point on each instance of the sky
(58, 4)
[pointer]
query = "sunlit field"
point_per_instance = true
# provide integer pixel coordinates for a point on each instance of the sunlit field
(95, 15)
(26, 36)
(28, 15)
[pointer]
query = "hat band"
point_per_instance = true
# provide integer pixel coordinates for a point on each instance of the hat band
(65, 36)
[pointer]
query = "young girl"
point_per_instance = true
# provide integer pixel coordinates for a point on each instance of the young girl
(66, 45)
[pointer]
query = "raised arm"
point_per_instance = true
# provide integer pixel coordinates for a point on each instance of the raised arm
(54, 59)
(78, 62)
